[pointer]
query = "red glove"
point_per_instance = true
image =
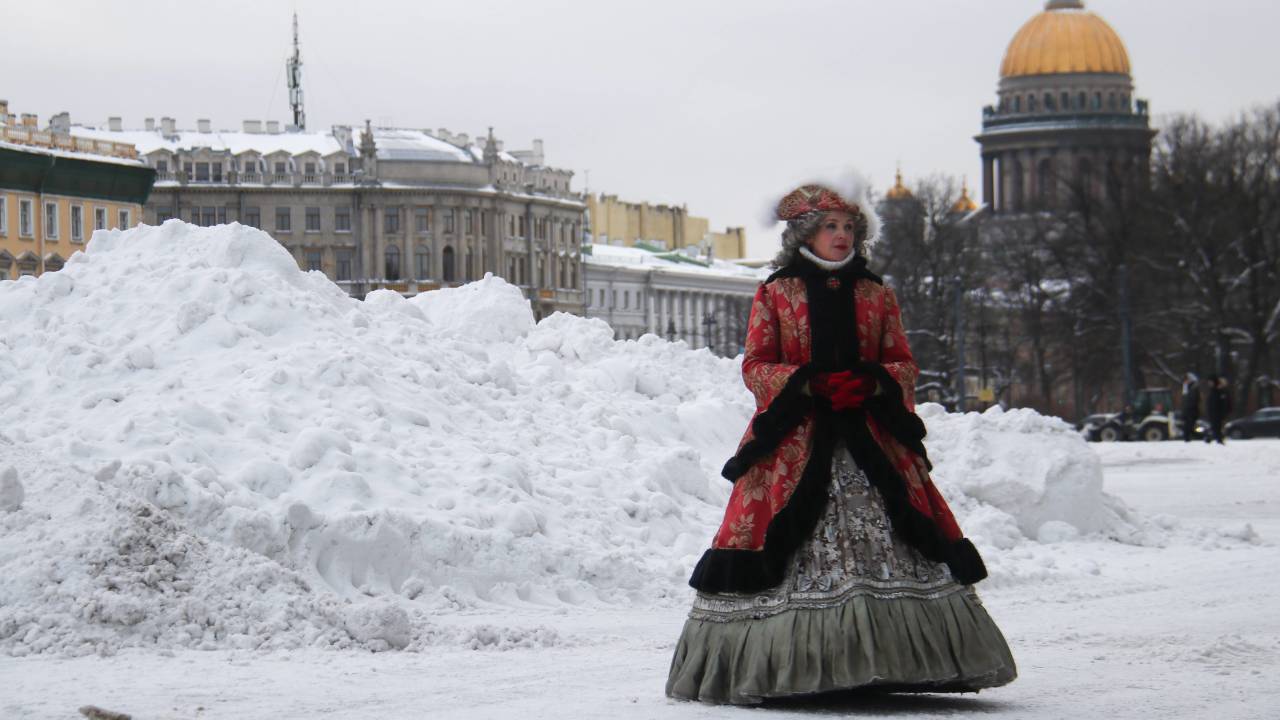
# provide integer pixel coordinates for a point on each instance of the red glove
(846, 390)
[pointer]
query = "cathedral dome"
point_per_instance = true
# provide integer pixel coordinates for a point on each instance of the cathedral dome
(1065, 39)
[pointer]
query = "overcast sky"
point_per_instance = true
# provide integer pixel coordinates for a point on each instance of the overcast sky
(717, 105)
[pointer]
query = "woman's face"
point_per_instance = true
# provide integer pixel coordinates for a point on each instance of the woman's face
(834, 239)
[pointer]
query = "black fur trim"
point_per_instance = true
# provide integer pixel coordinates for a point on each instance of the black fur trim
(913, 526)
(890, 409)
(784, 414)
(747, 571)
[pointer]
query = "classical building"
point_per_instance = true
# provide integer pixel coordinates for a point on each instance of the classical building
(56, 189)
(1066, 116)
(611, 221)
(678, 295)
(405, 209)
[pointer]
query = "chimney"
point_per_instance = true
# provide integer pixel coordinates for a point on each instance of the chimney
(273, 127)
(151, 124)
(60, 124)
(253, 127)
(115, 123)
(203, 125)
(537, 151)
(29, 120)
(463, 140)
(168, 126)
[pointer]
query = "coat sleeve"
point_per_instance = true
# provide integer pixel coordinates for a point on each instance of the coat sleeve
(895, 353)
(763, 370)
(778, 386)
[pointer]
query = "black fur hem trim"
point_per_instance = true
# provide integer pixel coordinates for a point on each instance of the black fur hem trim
(747, 571)
(784, 414)
(913, 526)
(890, 409)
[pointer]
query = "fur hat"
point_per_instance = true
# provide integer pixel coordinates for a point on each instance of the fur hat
(849, 193)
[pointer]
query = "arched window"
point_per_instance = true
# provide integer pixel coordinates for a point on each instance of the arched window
(393, 262)
(1049, 104)
(1111, 101)
(1082, 101)
(1066, 100)
(1031, 103)
(52, 262)
(6, 263)
(447, 270)
(1097, 101)
(422, 262)
(1017, 103)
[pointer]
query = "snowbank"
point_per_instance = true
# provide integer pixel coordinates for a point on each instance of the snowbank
(222, 450)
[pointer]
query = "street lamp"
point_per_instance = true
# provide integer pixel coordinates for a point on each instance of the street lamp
(709, 321)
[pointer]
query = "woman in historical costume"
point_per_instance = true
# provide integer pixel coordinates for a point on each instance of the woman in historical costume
(838, 564)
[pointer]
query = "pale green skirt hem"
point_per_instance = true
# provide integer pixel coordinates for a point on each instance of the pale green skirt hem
(943, 644)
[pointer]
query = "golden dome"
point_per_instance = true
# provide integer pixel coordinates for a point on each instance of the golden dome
(1065, 39)
(965, 204)
(899, 191)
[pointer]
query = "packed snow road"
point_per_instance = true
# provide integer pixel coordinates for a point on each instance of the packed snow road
(1187, 629)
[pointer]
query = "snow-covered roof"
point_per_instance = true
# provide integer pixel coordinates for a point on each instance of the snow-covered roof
(397, 144)
(674, 261)
(148, 141)
(56, 152)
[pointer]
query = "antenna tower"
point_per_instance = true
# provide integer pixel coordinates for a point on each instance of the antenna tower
(294, 68)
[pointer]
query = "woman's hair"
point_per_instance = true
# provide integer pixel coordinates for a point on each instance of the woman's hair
(801, 230)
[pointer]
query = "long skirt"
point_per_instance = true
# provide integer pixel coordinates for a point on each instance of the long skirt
(857, 608)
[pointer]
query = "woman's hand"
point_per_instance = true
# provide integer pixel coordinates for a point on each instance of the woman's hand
(846, 390)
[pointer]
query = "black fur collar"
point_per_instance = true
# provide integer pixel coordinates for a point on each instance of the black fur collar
(800, 266)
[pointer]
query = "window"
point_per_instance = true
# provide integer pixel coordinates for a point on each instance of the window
(99, 218)
(470, 267)
(468, 219)
(162, 167)
(253, 217)
(1031, 103)
(26, 265)
(342, 219)
(124, 217)
(422, 263)
(281, 167)
(309, 168)
(1097, 101)
(313, 260)
(53, 263)
(162, 214)
(51, 220)
(202, 172)
(1066, 100)
(6, 262)
(217, 172)
(511, 225)
(447, 269)
(393, 262)
(339, 168)
(249, 165)
(1049, 104)
(195, 216)
(284, 220)
(484, 223)
(313, 220)
(1017, 104)
(4, 222)
(209, 217)
(187, 171)
(522, 231)
(422, 221)
(448, 220)
(1082, 101)
(77, 223)
(344, 264)
(391, 220)
(601, 297)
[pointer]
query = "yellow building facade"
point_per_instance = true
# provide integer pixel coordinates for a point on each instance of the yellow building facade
(55, 190)
(611, 221)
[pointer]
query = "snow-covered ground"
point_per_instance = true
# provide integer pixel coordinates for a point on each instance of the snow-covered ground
(228, 490)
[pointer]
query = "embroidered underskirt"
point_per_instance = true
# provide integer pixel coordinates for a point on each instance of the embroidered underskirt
(858, 607)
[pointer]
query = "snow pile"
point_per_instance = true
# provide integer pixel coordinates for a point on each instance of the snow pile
(222, 450)
(440, 449)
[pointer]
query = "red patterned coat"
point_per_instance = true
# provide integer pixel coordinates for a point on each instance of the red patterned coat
(782, 466)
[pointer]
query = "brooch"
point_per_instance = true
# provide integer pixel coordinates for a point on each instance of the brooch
(833, 283)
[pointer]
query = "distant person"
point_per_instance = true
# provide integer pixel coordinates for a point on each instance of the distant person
(1190, 405)
(1218, 403)
(838, 564)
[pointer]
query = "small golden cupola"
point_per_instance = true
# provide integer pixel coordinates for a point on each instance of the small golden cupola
(965, 204)
(898, 191)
